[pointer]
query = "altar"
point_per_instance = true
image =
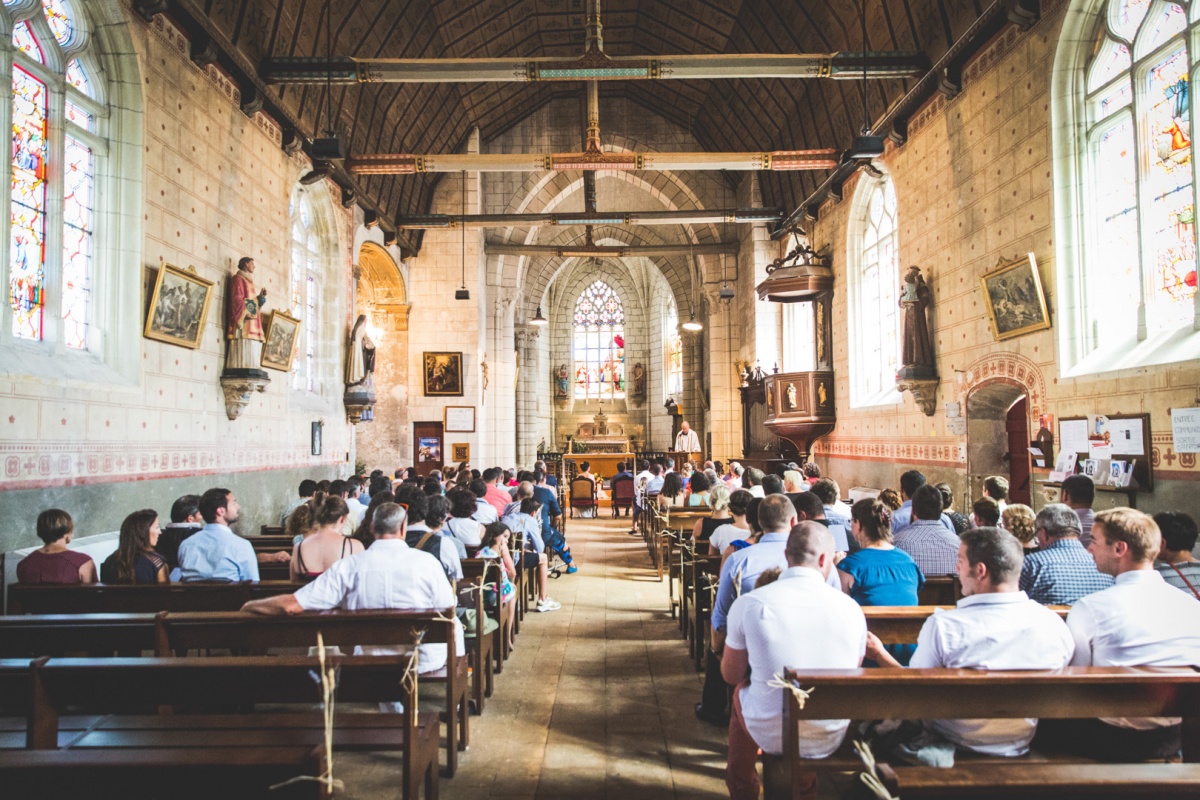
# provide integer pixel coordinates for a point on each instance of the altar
(601, 447)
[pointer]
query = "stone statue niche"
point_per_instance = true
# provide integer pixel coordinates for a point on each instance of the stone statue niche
(918, 370)
(359, 397)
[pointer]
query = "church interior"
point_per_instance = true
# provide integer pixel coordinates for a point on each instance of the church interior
(375, 245)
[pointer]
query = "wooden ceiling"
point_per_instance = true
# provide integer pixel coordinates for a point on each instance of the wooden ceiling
(722, 115)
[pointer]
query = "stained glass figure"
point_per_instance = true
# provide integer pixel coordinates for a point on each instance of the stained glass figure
(599, 344)
(25, 41)
(77, 241)
(27, 262)
(60, 20)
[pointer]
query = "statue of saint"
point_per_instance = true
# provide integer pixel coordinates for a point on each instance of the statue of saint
(915, 298)
(791, 395)
(360, 358)
(639, 380)
(243, 318)
(561, 381)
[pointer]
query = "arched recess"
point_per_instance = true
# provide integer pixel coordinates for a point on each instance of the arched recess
(1002, 397)
(383, 297)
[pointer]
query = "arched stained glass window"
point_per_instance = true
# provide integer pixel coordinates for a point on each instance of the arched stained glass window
(674, 347)
(51, 246)
(874, 280)
(599, 344)
(1138, 241)
(306, 271)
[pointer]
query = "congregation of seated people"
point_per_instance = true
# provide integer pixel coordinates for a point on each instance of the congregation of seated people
(1016, 569)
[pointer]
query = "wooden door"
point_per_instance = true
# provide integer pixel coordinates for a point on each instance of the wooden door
(1017, 425)
(429, 447)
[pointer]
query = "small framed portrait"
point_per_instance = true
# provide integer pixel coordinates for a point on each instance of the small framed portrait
(460, 419)
(443, 374)
(460, 452)
(178, 307)
(1015, 301)
(280, 346)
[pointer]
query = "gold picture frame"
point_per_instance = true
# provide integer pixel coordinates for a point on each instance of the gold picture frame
(179, 307)
(1016, 303)
(460, 452)
(281, 335)
(443, 374)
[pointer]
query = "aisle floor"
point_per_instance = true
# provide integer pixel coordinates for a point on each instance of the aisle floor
(596, 701)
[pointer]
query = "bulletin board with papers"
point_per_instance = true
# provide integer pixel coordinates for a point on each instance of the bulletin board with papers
(1116, 444)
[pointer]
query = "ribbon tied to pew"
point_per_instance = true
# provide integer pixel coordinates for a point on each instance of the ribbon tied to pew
(777, 682)
(870, 776)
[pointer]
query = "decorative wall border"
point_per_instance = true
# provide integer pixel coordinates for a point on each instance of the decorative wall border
(1012, 367)
(940, 452)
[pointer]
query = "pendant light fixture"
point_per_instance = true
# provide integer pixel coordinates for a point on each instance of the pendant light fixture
(462, 293)
(330, 147)
(865, 146)
(692, 325)
(726, 291)
(538, 319)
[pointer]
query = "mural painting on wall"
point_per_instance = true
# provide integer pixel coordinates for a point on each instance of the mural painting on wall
(443, 374)
(282, 333)
(178, 307)
(1015, 301)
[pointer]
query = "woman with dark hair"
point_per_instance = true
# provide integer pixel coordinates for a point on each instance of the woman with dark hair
(698, 487)
(363, 534)
(734, 529)
(325, 545)
(495, 546)
(961, 523)
(54, 562)
(461, 525)
(135, 560)
(437, 510)
(879, 573)
(671, 494)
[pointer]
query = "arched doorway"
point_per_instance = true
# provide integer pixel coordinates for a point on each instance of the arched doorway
(385, 442)
(998, 438)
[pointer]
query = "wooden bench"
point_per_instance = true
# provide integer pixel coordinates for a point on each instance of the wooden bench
(254, 634)
(91, 634)
(902, 624)
(480, 645)
(1073, 692)
(270, 543)
(476, 567)
(940, 590)
(101, 598)
(122, 689)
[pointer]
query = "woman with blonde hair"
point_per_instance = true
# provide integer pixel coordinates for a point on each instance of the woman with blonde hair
(718, 501)
(1018, 520)
(325, 544)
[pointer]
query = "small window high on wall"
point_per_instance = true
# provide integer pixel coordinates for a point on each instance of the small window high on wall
(1126, 192)
(59, 118)
(598, 344)
(874, 276)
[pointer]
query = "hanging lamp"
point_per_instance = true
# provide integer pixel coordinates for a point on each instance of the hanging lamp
(538, 319)
(462, 293)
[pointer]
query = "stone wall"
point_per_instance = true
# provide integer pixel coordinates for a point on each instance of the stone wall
(973, 185)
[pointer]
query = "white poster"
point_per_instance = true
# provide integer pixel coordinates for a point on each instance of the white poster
(1185, 429)
(1073, 435)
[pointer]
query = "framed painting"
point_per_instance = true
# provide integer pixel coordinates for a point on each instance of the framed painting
(280, 346)
(443, 374)
(1016, 303)
(460, 419)
(178, 307)
(460, 452)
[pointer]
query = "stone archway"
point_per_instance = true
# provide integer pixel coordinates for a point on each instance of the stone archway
(385, 442)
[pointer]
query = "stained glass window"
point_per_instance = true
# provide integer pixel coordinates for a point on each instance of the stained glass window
(876, 332)
(27, 268)
(49, 288)
(1143, 199)
(305, 290)
(674, 360)
(599, 344)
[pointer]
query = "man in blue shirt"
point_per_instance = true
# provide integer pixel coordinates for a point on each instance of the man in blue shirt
(216, 552)
(902, 518)
(1061, 571)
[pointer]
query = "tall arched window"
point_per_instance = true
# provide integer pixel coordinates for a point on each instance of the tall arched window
(599, 344)
(58, 116)
(310, 255)
(674, 354)
(874, 277)
(1131, 265)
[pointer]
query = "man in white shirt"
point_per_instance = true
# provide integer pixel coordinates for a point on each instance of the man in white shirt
(485, 512)
(752, 482)
(797, 621)
(354, 487)
(994, 626)
(686, 441)
(1140, 621)
(388, 574)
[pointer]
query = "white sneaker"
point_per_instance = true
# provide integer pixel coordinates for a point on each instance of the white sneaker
(547, 605)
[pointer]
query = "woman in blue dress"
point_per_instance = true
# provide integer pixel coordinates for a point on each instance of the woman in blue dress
(878, 573)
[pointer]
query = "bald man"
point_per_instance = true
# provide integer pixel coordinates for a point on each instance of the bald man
(687, 441)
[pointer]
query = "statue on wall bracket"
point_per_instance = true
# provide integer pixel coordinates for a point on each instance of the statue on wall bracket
(359, 397)
(918, 370)
(243, 374)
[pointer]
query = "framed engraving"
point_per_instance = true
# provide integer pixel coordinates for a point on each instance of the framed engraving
(460, 419)
(178, 307)
(443, 374)
(1015, 302)
(281, 335)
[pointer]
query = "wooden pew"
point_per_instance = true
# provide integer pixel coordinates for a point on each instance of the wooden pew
(125, 687)
(940, 590)
(98, 598)
(480, 646)
(270, 543)
(59, 634)
(704, 572)
(253, 633)
(902, 624)
(1073, 692)
(475, 567)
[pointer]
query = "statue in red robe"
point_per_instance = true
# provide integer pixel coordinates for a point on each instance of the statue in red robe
(243, 318)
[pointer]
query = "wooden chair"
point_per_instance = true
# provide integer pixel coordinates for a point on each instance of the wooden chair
(622, 490)
(583, 495)
(480, 642)
(1069, 693)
